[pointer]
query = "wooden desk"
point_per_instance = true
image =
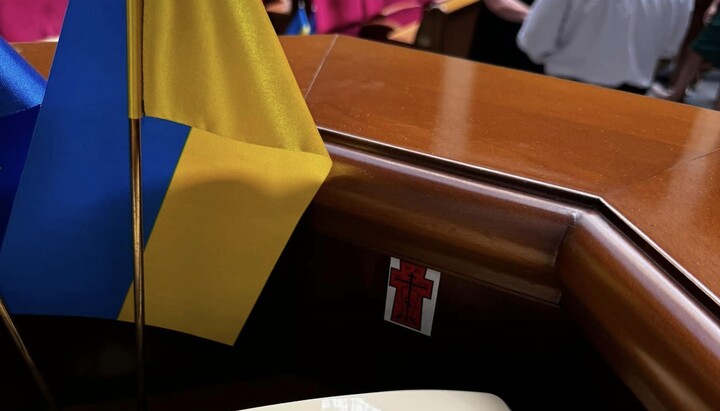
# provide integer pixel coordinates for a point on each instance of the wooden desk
(570, 196)
(626, 167)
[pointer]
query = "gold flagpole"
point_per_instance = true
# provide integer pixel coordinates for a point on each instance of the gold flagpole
(135, 113)
(12, 329)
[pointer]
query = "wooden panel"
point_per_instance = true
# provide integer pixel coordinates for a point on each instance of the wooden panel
(448, 222)
(665, 346)
(483, 339)
(563, 133)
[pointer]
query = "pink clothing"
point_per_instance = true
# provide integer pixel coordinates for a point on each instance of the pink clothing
(346, 16)
(31, 20)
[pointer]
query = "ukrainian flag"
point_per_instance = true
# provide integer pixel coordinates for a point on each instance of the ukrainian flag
(231, 159)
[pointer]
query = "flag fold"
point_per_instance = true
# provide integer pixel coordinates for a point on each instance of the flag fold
(231, 159)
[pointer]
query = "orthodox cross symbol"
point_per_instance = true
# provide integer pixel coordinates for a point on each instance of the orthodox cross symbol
(411, 295)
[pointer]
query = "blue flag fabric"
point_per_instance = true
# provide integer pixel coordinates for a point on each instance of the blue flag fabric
(21, 92)
(21, 87)
(302, 23)
(82, 130)
(224, 182)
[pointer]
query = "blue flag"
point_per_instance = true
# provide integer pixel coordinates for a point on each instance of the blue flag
(224, 182)
(21, 92)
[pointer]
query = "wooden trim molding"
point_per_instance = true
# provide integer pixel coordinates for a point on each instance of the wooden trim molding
(547, 243)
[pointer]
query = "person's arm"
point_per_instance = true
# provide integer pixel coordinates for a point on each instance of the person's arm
(711, 11)
(540, 32)
(513, 11)
(677, 24)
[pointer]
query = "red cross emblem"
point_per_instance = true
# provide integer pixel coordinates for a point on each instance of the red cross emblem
(412, 290)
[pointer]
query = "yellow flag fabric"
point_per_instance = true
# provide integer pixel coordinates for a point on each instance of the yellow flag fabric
(251, 165)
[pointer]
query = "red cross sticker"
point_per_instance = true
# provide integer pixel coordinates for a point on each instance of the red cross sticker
(411, 295)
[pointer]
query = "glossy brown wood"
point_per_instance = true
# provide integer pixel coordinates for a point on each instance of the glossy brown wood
(679, 209)
(553, 131)
(664, 345)
(306, 54)
(496, 236)
(39, 55)
(556, 131)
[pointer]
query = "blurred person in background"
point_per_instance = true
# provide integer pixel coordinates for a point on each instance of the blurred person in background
(697, 23)
(498, 24)
(31, 20)
(610, 43)
(704, 48)
(347, 16)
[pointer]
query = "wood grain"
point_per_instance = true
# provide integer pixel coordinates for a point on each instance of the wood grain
(679, 209)
(659, 340)
(556, 131)
(496, 236)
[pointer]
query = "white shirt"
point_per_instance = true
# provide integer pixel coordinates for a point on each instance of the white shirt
(605, 42)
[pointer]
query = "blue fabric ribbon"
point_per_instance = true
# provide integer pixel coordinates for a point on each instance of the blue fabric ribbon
(21, 87)
(21, 92)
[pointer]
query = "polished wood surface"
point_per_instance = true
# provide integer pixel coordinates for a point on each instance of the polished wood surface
(553, 131)
(456, 224)
(39, 55)
(594, 200)
(679, 209)
(655, 334)
(306, 55)
(650, 160)
(573, 135)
